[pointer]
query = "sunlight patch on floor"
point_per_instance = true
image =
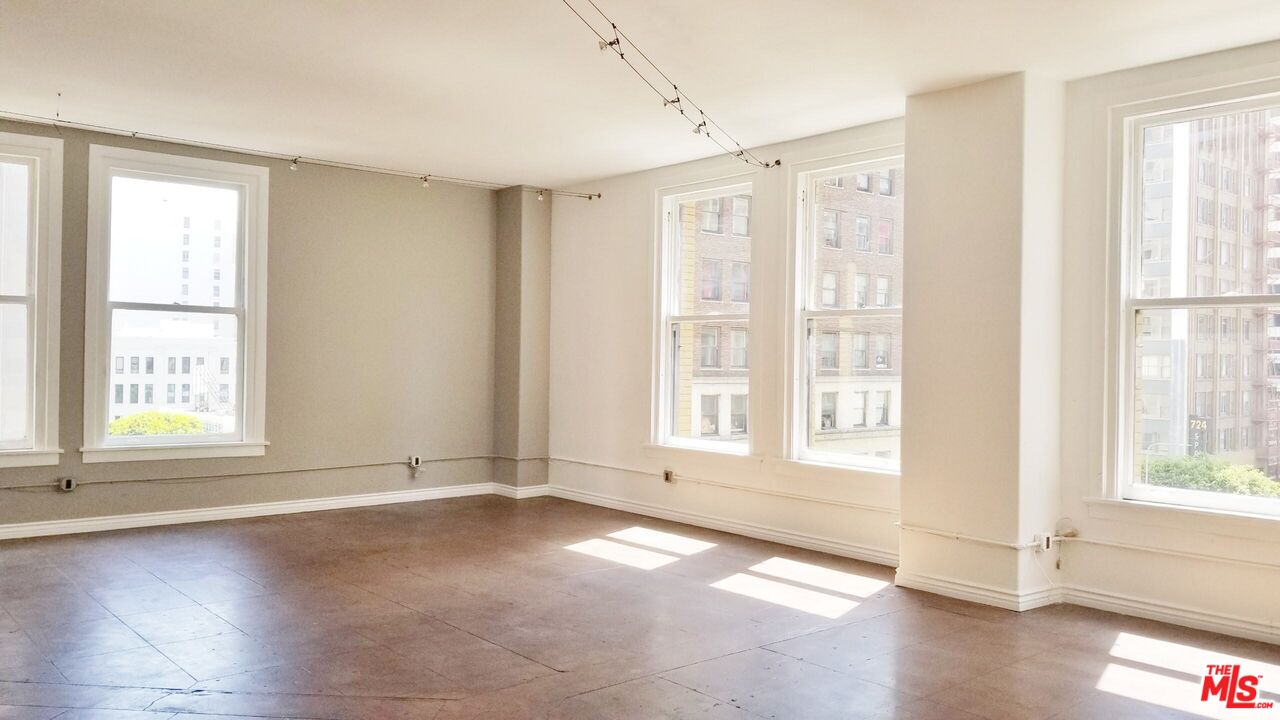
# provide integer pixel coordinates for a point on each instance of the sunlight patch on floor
(1190, 660)
(669, 542)
(818, 576)
(778, 593)
(623, 554)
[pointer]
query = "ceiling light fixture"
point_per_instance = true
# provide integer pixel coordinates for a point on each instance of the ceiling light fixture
(702, 127)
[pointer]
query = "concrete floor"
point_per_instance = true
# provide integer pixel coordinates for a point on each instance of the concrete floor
(488, 608)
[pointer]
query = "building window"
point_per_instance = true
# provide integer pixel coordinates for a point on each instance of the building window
(150, 365)
(710, 345)
(224, 365)
(742, 215)
(831, 228)
(862, 233)
(710, 280)
(886, 183)
(882, 408)
(737, 413)
(133, 394)
(738, 348)
(171, 394)
(120, 364)
(882, 291)
(710, 415)
(885, 237)
(866, 325)
(148, 393)
(1192, 333)
(119, 393)
(139, 205)
(884, 352)
(30, 266)
(134, 365)
(709, 216)
(830, 405)
(740, 282)
(830, 289)
(860, 343)
(697, 274)
(858, 414)
(829, 351)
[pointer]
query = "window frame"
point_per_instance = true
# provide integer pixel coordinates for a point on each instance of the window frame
(804, 307)
(1127, 124)
(44, 157)
(252, 181)
(666, 313)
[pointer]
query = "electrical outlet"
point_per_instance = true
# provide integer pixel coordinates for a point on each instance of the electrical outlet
(415, 461)
(67, 484)
(1043, 542)
(668, 476)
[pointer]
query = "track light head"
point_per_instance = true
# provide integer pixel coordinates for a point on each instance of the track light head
(426, 181)
(293, 164)
(540, 196)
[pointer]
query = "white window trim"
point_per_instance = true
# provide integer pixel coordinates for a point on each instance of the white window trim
(796, 400)
(666, 309)
(1125, 171)
(252, 322)
(45, 275)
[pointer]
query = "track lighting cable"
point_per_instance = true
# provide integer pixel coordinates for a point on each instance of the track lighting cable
(294, 160)
(702, 123)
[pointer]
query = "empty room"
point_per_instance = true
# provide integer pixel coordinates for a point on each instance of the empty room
(595, 359)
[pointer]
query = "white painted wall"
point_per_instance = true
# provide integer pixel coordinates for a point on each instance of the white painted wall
(602, 329)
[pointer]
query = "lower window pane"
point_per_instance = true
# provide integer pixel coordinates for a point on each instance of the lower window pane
(185, 387)
(855, 390)
(15, 378)
(1207, 407)
(709, 382)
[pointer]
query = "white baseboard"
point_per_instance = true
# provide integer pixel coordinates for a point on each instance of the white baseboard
(1173, 614)
(979, 593)
(520, 493)
(760, 532)
(178, 517)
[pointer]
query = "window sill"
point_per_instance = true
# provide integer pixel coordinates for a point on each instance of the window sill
(816, 470)
(173, 452)
(29, 458)
(740, 459)
(1186, 518)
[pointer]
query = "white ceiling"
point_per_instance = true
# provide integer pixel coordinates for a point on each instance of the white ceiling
(517, 92)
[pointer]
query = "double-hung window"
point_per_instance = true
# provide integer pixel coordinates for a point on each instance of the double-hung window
(1176, 445)
(845, 411)
(30, 237)
(152, 218)
(696, 315)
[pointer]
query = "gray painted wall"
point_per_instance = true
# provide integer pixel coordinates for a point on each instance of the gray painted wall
(380, 345)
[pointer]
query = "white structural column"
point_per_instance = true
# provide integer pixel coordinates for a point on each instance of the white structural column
(980, 467)
(522, 337)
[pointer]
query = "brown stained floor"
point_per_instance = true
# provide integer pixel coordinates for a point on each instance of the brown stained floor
(476, 608)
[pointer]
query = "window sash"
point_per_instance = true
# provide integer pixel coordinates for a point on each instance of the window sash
(1131, 171)
(247, 305)
(42, 159)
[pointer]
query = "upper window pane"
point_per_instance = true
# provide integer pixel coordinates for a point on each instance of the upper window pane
(1210, 208)
(15, 377)
(15, 227)
(170, 239)
(714, 266)
(868, 271)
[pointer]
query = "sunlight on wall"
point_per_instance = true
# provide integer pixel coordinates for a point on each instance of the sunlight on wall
(662, 540)
(624, 554)
(818, 576)
(772, 591)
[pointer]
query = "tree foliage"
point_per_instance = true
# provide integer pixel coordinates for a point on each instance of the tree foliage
(1204, 472)
(154, 422)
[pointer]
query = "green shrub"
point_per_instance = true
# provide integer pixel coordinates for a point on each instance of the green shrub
(1204, 472)
(154, 422)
